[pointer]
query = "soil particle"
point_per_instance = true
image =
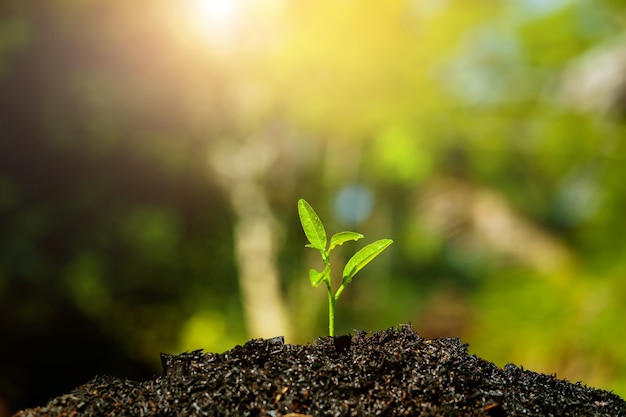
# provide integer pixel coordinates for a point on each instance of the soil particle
(389, 373)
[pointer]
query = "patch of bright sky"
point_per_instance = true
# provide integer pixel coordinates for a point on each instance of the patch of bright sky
(542, 7)
(354, 204)
(486, 69)
(483, 71)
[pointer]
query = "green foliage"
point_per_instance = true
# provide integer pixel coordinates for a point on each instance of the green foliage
(401, 95)
(316, 234)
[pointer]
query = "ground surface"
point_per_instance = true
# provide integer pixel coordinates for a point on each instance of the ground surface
(391, 373)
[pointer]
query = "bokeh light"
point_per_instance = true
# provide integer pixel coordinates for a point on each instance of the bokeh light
(152, 156)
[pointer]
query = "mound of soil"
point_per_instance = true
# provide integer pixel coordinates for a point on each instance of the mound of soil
(392, 373)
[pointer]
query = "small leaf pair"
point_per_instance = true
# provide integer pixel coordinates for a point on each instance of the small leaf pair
(316, 234)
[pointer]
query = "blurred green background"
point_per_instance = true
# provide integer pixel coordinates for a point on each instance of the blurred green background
(152, 154)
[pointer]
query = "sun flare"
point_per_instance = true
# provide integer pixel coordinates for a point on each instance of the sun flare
(218, 20)
(218, 12)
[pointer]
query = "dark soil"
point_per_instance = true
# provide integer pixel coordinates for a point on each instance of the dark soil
(391, 373)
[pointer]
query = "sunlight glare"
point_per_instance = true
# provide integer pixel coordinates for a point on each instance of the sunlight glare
(218, 19)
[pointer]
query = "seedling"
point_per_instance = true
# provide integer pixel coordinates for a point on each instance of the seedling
(316, 234)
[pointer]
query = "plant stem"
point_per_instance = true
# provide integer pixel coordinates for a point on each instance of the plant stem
(339, 291)
(331, 311)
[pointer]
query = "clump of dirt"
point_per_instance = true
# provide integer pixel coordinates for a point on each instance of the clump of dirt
(393, 373)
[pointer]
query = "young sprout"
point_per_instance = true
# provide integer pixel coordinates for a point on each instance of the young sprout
(316, 234)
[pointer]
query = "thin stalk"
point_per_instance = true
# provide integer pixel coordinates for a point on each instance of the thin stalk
(331, 311)
(339, 291)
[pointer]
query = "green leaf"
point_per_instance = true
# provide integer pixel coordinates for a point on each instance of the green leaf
(342, 237)
(312, 226)
(363, 257)
(317, 277)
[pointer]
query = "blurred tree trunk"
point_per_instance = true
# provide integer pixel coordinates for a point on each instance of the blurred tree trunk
(595, 82)
(241, 166)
